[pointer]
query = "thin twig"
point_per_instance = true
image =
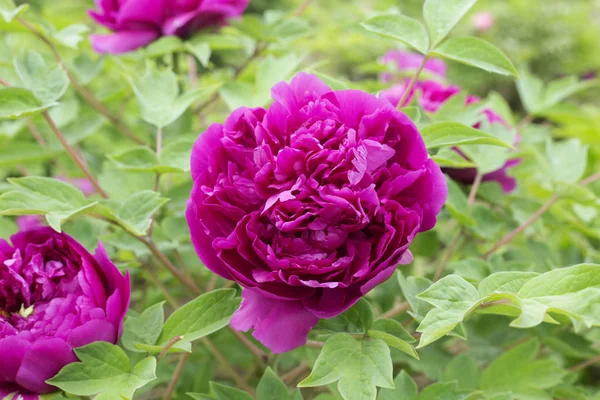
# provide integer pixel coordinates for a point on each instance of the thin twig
(176, 376)
(314, 344)
(156, 282)
(451, 249)
(211, 283)
(168, 347)
(585, 364)
(223, 361)
(190, 284)
(412, 82)
(258, 353)
(302, 8)
(398, 309)
(193, 71)
(475, 188)
(86, 94)
(74, 156)
(545, 207)
(292, 375)
(3, 82)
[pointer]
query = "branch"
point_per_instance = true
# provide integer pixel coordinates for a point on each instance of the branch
(83, 92)
(222, 360)
(74, 156)
(176, 376)
(412, 83)
(168, 347)
(398, 309)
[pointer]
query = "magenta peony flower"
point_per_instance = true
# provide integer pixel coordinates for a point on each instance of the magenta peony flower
(431, 96)
(54, 296)
(136, 23)
(309, 204)
(483, 21)
(408, 61)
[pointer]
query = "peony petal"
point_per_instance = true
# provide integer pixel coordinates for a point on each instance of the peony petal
(45, 359)
(122, 42)
(96, 330)
(279, 325)
(12, 351)
(141, 11)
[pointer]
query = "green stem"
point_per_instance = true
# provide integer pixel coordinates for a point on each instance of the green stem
(412, 82)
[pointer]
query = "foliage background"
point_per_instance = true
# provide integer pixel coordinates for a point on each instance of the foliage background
(552, 38)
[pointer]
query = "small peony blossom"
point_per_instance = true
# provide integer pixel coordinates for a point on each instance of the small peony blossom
(431, 96)
(136, 23)
(309, 204)
(483, 21)
(407, 61)
(54, 296)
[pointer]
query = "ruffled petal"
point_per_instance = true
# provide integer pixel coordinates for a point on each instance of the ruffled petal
(279, 325)
(122, 42)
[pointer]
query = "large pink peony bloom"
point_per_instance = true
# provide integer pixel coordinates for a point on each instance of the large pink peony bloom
(309, 204)
(54, 296)
(431, 96)
(136, 23)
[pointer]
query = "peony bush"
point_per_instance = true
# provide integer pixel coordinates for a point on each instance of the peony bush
(234, 200)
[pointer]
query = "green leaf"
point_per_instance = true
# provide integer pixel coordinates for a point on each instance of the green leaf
(504, 282)
(9, 11)
(531, 91)
(47, 82)
(442, 16)
(202, 396)
(176, 155)
(562, 281)
(158, 95)
(518, 371)
(447, 157)
(560, 89)
(360, 366)
(445, 390)
(457, 204)
(577, 193)
(395, 328)
(453, 298)
(568, 160)
(406, 389)
(476, 53)
(138, 159)
(271, 387)
(135, 213)
(464, 370)
(144, 329)
(22, 152)
(86, 69)
(271, 71)
(71, 35)
(394, 342)
(104, 367)
(498, 103)
(163, 46)
(491, 158)
(446, 134)
(201, 50)
(402, 28)
(201, 316)
(57, 200)
(18, 102)
(223, 392)
(411, 287)
(357, 319)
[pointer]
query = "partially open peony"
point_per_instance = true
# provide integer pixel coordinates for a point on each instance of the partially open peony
(136, 23)
(54, 296)
(309, 204)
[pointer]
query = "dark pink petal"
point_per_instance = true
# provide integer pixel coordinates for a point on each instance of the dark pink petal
(45, 359)
(280, 325)
(122, 42)
(96, 330)
(12, 351)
